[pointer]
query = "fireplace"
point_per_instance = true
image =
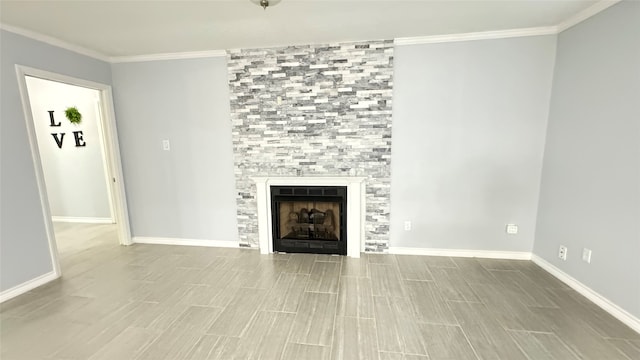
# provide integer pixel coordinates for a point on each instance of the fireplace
(353, 210)
(309, 219)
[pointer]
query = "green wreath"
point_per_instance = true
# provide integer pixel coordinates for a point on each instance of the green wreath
(73, 115)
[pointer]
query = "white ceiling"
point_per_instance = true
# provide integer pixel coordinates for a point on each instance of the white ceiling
(141, 27)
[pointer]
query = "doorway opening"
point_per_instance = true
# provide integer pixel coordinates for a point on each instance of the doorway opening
(77, 163)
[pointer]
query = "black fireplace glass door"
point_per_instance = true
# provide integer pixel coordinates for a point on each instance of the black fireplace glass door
(309, 220)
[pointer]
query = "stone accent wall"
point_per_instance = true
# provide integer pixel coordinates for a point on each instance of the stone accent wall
(315, 110)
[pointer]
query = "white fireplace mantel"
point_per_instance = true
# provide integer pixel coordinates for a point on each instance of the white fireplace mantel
(355, 206)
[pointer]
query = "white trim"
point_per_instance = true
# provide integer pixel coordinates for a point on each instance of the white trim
(502, 34)
(86, 220)
(28, 286)
(606, 304)
(21, 72)
(585, 14)
(432, 39)
(185, 242)
(169, 56)
(484, 35)
(488, 254)
(55, 42)
(415, 40)
(114, 165)
(111, 148)
(103, 155)
(356, 207)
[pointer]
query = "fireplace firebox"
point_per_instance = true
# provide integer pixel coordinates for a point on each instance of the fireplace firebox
(309, 219)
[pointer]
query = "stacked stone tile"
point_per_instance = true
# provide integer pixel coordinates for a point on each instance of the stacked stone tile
(313, 110)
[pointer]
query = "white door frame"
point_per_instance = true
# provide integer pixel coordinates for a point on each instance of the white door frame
(111, 153)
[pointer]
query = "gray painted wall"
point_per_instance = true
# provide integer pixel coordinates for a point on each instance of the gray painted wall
(24, 250)
(187, 192)
(469, 122)
(75, 175)
(590, 193)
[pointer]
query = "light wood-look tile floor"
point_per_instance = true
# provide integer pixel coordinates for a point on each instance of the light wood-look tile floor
(169, 302)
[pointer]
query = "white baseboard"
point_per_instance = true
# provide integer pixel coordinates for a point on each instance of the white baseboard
(488, 254)
(27, 286)
(606, 304)
(184, 242)
(86, 220)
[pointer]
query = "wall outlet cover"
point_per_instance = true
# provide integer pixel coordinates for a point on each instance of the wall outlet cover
(586, 255)
(562, 252)
(512, 229)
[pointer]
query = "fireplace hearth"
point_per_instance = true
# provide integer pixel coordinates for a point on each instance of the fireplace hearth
(309, 219)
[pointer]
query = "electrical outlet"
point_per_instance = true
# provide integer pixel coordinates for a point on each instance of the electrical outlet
(512, 229)
(166, 145)
(586, 255)
(407, 225)
(562, 252)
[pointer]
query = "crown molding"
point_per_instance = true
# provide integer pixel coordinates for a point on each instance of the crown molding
(502, 34)
(55, 42)
(585, 14)
(484, 35)
(169, 56)
(111, 59)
